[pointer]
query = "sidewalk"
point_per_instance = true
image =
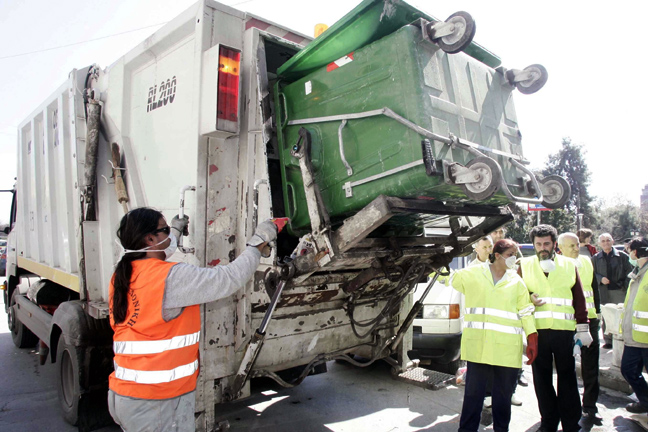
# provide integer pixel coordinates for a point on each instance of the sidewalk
(609, 375)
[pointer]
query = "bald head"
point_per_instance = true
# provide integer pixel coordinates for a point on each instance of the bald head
(568, 244)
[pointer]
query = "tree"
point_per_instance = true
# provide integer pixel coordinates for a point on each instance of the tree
(621, 220)
(569, 162)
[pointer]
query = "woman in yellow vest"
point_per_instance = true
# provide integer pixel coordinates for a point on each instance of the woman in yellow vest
(498, 313)
(155, 315)
(634, 327)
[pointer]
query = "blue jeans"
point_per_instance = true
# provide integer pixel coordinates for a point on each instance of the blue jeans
(504, 381)
(633, 362)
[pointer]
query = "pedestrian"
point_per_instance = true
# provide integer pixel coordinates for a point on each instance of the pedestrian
(561, 310)
(634, 327)
(569, 245)
(585, 236)
(483, 249)
(611, 269)
(498, 313)
(155, 314)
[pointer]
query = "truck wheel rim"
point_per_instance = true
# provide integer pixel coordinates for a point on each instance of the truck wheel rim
(67, 378)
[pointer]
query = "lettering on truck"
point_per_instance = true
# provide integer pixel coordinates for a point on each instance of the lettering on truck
(167, 94)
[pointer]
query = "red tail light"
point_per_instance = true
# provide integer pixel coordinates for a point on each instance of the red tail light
(229, 67)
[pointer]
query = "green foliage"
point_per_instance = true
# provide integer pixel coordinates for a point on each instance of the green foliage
(569, 162)
(621, 220)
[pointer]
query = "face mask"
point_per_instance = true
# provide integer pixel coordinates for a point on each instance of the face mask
(633, 262)
(168, 252)
(510, 261)
(576, 262)
(548, 265)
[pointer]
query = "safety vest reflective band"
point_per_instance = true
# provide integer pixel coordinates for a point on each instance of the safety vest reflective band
(492, 312)
(495, 327)
(155, 347)
(588, 294)
(639, 328)
(640, 314)
(557, 301)
(154, 358)
(156, 377)
(555, 289)
(526, 311)
(554, 315)
(590, 306)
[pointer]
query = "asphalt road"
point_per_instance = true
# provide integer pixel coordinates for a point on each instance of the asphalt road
(346, 399)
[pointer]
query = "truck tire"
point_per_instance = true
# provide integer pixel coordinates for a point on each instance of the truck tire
(67, 374)
(21, 335)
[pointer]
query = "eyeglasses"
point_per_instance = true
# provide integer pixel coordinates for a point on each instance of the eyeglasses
(166, 230)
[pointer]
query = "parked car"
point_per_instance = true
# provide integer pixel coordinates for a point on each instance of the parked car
(526, 249)
(438, 326)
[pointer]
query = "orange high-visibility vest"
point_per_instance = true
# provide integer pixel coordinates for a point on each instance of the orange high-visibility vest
(154, 359)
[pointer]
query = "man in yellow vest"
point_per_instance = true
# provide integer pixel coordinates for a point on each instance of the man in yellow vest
(570, 247)
(562, 310)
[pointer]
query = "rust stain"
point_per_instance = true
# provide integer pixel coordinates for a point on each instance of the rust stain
(210, 222)
(214, 262)
(212, 169)
(220, 211)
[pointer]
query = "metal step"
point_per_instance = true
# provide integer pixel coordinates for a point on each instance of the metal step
(429, 379)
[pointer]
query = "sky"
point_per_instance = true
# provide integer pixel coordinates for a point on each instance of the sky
(593, 51)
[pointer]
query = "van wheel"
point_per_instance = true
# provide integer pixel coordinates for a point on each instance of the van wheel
(21, 335)
(69, 389)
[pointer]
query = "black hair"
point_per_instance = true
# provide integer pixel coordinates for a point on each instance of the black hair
(640, 246)
(133, 228)
(500, 247)
(543, 231)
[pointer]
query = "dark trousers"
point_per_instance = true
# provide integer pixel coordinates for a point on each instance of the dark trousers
(504, 382)
(633, 362)
(590, 369)
(564, 406)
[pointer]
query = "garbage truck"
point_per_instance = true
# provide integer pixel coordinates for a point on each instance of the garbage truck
(388, 122)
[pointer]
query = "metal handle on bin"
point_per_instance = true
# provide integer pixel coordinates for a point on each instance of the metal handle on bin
(284, 122)
(292, 201)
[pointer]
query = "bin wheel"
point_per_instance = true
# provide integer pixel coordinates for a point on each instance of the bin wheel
(535, 83)
(463, 34)
(22, 337)
(490, 179)
(555, 191)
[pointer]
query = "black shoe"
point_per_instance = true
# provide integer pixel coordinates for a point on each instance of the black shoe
(486, 417)
(593, 418)
(607, 345)
(636, 408)
(523, 381)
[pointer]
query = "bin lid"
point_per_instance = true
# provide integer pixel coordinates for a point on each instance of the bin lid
(366, 23)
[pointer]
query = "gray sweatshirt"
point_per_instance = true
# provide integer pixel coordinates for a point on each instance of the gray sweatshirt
(188, 285)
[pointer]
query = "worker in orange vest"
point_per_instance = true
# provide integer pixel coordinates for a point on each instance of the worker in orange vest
(155, 315)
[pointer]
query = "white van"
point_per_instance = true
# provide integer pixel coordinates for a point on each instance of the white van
(436, 338)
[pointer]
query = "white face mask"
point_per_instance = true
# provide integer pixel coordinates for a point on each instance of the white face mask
(510, 261)
(576, 262)
(548, 265)
(168, 252)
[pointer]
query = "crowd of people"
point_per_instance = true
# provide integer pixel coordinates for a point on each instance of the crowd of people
(553, 301)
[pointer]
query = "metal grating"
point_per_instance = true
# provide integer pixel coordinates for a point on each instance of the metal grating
(426, 378)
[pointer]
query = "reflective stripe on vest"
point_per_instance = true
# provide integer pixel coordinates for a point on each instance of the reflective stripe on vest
(156, 377)
(554, 315)
(588, 294)
(527, 311)
(590, 305)
(493, 312)
(640, 314)
(640, 328)
(494, 327)
(155, 347)
(558, 301)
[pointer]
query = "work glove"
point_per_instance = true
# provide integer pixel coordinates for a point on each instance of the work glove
(266, 232)
(583, 335)
(532, 347)
(181, 226)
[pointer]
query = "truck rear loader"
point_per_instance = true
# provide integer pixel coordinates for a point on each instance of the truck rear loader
(388, 122)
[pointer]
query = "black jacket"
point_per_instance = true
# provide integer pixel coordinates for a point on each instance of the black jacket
(619, 268)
